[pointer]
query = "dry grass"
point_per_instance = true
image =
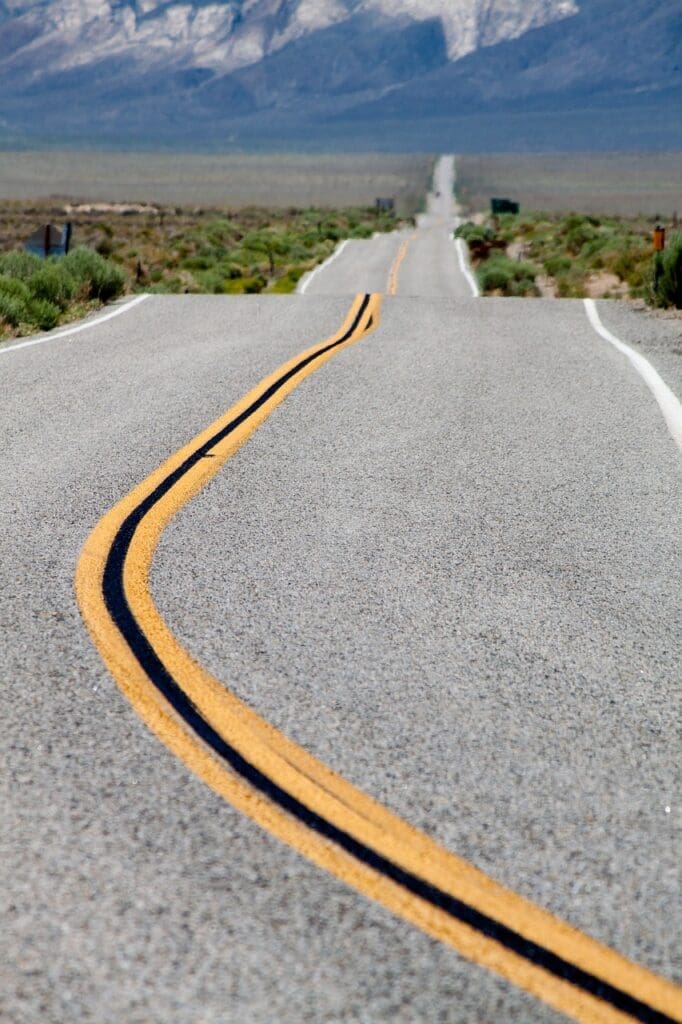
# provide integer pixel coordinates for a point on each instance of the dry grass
(566, 256)
(624, 184)
(170, 249)
(221, 180)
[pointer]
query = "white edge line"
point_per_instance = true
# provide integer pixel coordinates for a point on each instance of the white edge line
(302, 288)
(463, 266)
(77, 329)
(667, 400)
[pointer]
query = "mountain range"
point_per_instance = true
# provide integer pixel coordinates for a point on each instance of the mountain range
(364, 74)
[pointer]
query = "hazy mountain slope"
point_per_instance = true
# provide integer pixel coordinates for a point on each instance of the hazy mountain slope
(361, 73)
(340, 66)
(104, 67)
(363, 58)
(228, 35)
(607, 78)
(607, 47)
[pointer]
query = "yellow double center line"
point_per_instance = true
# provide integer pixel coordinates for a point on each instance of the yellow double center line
(295, 796)
(397, 264)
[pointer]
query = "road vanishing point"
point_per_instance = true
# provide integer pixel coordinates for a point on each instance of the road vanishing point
(340, 656)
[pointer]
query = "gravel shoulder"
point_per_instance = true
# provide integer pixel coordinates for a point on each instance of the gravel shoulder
(656, 334)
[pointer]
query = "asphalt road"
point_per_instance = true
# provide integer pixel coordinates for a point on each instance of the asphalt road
(447, 565)
(428, 269)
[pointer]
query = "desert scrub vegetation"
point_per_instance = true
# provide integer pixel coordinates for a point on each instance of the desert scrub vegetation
(666, 286)
(246, 252)
(37, 294)
(611, 184)
(136, 248)
(500, 275)
(133, 248)
(567, 256)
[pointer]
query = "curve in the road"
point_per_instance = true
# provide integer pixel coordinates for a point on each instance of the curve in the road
(395, 269)
(84, 325)
(289, 792)
(303, 287)
(463, 258)
(668, 402)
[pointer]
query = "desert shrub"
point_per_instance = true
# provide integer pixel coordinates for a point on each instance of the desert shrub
(246, 285)
(592, 251)
(273, 246)
(167, 286)
(219, 231)
(527, 226)
(667, 275)
(310, 238)
(19, 306)
(96, 278)
(493, 276)
(632, 264)
(53, 283)
(571, 285)
(332, 232)
(19, 264)
(199, 262)
(575, 222)
(26, 303)
(14, 286)
(287, 284)
(510, 277)
(43, 314)
(230, 270)
(211, 281)
(474, 232)
(556, 265)
(637, 276)
(12, 310)
(105, 246)
(578, 236)
(507, 223)
(254, 285)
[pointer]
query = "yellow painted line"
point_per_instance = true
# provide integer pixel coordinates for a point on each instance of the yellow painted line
(395, 269)
(299, 775)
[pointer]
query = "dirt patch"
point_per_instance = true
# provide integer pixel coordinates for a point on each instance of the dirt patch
(118, 209)
(605, 286)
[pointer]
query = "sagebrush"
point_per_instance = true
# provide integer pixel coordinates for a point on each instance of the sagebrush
(35, 294)
(667, 275)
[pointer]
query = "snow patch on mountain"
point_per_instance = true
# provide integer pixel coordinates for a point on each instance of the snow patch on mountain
(233, 34)
(471, 24)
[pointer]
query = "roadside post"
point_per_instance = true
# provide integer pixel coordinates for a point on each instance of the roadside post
(659, 238)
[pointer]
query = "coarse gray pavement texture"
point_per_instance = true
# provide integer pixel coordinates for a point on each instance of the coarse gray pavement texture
(131, 892)
(361, 265)
(429, 267)
(656, 334)
(447, 565)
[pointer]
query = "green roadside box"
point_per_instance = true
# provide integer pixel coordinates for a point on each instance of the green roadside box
(498, 206)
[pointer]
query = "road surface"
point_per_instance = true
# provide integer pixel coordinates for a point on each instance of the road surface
(429, 267)
(447, 566)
